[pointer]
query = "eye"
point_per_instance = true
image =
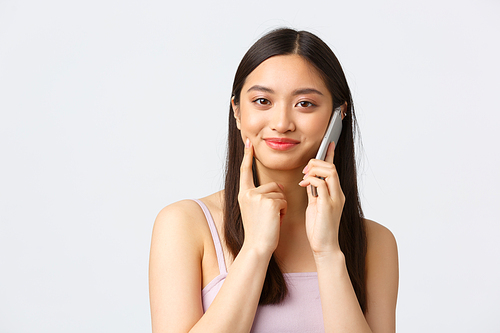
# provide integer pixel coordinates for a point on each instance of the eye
(262, 101)
(305, 104)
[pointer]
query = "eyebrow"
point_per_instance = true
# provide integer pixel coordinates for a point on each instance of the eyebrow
(260, 88)
(302, 91)
(305, 91)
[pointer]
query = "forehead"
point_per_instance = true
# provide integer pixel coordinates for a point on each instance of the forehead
(286, 73)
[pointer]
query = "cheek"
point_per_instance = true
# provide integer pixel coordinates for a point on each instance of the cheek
(315, 132)
(320, 128)
(317, 127)
(251, 125)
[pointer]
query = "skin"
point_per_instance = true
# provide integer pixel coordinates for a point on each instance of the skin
(284, 97)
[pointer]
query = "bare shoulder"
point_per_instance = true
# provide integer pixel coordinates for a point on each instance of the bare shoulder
(182, 213)
(379, 238)
(382, 250)
(184, 221)
(181, 223)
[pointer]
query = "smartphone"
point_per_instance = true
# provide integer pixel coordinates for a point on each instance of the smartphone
(332, 134)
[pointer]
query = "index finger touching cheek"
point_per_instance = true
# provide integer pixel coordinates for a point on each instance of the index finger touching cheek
(246, 175)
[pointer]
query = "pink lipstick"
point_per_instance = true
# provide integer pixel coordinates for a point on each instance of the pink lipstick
(281, 143)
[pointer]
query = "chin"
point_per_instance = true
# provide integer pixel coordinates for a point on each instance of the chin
(282, 164)
(284, 161)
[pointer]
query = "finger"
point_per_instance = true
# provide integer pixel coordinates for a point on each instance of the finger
(332, 185)
(310, 195)
(320, 185)
(283, 209)
(314, 162)
(324, 171)
(329, 176)
(246, 175)
(273, 195)
(330, 153)
(270, 187)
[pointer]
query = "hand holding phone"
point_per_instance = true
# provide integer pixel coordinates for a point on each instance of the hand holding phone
(332, 134)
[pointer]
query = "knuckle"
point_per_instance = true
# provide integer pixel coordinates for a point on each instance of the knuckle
(244, 195)
(274, 205)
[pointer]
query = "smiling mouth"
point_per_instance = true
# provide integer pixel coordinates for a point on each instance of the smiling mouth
(281, 144)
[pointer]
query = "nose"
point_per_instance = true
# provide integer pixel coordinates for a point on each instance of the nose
(282, 121)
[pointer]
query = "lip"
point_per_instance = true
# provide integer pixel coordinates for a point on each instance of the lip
(281, 143)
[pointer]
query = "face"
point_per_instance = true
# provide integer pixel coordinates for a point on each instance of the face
(284, 110)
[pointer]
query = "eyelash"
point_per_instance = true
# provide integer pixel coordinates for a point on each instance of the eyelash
(309, 104)
(260, 101)
(264, 101)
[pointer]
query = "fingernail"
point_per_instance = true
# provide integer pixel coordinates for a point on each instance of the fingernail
(301, 182)
(305, 169)
(247, 143)
(281, 186)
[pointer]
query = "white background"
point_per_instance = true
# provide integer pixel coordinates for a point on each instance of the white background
(111, 110)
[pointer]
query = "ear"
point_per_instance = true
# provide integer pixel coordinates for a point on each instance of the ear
(343, 110)
(236, 113)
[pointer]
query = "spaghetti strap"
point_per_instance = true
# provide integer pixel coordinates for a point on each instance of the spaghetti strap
(215, 237)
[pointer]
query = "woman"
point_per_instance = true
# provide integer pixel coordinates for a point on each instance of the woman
(264, 254)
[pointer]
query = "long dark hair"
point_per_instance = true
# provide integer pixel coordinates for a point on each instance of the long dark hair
(352, 236)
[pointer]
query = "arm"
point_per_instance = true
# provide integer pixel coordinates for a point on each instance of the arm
(382, 279)
(338, 299)
(341, 310)
(175, 278)
(176, 257)
(175, 269)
